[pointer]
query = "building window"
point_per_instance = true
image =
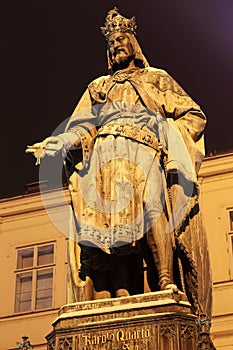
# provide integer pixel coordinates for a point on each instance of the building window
(231, 221)
(34, 278)
(230, 237)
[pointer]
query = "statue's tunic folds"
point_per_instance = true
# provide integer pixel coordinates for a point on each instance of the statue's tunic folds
(142, 146)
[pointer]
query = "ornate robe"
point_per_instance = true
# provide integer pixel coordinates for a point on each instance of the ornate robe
(142, 146)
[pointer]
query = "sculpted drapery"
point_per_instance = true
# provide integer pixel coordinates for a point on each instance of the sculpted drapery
(112, 114)
(133, 148)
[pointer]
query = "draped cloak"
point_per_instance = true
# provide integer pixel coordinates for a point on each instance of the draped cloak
(140, 126)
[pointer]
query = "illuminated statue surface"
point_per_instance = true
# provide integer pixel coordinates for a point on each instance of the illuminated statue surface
(132, 149)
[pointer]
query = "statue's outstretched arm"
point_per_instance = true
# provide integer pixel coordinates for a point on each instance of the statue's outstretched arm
(52, 145)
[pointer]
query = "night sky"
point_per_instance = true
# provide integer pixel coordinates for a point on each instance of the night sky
(51, 50)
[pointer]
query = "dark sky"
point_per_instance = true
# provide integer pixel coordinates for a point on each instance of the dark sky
(50, 51)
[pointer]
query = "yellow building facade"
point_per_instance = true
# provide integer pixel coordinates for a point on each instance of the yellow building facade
(33, 260)
(216, 184)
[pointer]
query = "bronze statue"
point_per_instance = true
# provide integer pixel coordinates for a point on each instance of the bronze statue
(133, 148)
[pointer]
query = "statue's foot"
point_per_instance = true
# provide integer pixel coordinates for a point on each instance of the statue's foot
(101, 295)
(122, 293)
(172, 286)
(167, 284)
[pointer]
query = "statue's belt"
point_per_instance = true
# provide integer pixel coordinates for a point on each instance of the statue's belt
(132, 132)
(145, 137)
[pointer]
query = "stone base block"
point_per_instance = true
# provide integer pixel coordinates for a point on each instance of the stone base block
(152, 321)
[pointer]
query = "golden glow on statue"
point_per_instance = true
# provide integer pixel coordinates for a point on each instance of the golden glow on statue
(135, 193)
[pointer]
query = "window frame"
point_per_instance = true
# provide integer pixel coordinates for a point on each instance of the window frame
(230, 240)
(34, 270)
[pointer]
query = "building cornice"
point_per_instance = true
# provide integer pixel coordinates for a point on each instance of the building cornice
(35, 202)
(217, 165)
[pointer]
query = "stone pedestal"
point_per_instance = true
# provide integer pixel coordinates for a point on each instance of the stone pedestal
(152, 321)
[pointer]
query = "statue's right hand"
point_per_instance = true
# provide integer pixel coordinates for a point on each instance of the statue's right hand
(50, 147)
(54, 144)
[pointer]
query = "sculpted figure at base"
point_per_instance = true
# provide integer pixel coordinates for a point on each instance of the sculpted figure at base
(133, 147)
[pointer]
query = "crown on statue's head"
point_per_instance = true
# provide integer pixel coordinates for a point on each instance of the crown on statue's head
(115, 22)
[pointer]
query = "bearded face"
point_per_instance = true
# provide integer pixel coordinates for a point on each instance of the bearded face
(120, 50)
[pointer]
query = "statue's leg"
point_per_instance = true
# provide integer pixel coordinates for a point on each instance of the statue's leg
(161, 246)
(155, 221)
(127, 274)
(95, 267)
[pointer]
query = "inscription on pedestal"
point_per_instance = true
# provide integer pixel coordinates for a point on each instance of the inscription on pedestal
(121, 339)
